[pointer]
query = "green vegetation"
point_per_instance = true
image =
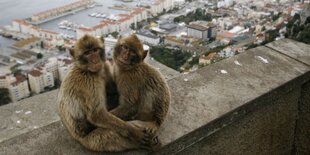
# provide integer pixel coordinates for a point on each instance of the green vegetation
(297, 30)
(216, 49)
(277, 16)
(139, 25)
(271, 35)
(173, 58)
(41, 44)
(39, 56)
(4, 96)
(61, 48)
(15, 70)
(115, 34)
(198, 14)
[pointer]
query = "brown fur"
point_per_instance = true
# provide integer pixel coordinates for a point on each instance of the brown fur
(82, 106)
(144, 94)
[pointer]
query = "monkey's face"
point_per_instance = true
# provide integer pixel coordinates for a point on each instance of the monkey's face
(88, 54)
(129, 52)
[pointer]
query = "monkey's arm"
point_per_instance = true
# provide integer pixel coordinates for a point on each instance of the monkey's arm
(128, 107)
(101, 118)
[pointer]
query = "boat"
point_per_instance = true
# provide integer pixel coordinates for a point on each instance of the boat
(62, 27)
(98, 15)
(93, 14)
(103, 15)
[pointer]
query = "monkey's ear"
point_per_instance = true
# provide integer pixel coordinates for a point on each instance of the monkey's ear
(71, 51)
(144, 54)
(102, 39)
(134, 36)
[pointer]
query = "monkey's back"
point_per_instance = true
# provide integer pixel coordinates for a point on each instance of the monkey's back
(77, 89)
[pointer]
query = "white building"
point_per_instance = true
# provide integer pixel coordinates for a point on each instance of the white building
(63, 68)
(109, 44)
(19, 88)
(39, 80)
(3, 82)
(202, 30)
(52, 67)
(148, 37)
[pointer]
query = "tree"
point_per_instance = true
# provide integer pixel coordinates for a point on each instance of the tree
(4, 96)
(115, 34)
(42, 44)
(39, 56)
(132, 26)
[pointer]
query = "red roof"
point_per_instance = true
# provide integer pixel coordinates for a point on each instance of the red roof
(124, 15)
(35, 73)
(123, 19)
(108, 22)
(21, 22)
(99, 26)
(85, 29)
(47, 31)
(227, 34)
(19, 79)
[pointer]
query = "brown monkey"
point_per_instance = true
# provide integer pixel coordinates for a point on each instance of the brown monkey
(144, 94)
(82, 105)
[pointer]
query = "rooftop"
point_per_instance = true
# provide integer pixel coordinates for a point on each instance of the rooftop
(25, 42)
(147, 34)
(197, 27)
(35, 73)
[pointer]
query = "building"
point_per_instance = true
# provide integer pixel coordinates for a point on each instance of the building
(122, 22)
(4, 81)
(28, 43)
(19, 89)
(61, 10)
(168, 27)
(63, 68)
(38, 80)
(201, 31)
(109, 44)
(52, 67)
(148, 37)
(197, 31)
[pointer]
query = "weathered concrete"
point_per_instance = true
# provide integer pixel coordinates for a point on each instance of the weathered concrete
(228, 96)
(23, 115)
(293, 49)
(269, 129)
(27, 115)
(211, 100)
(302, 139)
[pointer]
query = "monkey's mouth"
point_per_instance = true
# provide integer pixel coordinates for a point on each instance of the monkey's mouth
(95, 67)
(123, 62)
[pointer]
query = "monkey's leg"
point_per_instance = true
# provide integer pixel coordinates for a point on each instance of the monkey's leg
(152, 126)
(108, 140)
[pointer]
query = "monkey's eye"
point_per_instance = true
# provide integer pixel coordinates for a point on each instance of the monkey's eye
(88, 52)
(125, 47)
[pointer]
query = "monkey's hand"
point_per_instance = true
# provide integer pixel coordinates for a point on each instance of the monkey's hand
(150, 127)
(150, 139)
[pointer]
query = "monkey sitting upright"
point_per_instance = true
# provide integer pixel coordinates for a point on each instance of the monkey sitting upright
(82, 105)
(144, 94)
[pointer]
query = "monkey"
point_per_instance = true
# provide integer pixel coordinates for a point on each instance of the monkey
(82, 104)
(144, 96)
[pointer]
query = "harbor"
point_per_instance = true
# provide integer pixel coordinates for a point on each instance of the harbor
(76, 18)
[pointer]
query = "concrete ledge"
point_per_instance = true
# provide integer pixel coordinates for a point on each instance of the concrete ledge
(205, 104)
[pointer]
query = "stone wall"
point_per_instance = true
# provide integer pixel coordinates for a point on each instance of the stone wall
(254, 103)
